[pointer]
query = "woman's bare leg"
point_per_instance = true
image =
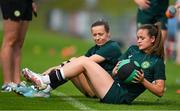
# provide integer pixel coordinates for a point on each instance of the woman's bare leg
(80, 81)
(17, 51)
(99, 78)
(7, 50)
(83, 84)
(101, 81)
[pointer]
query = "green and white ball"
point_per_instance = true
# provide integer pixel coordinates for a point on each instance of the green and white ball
(127, 70)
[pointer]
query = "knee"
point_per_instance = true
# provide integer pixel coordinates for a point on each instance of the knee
(9, 41)
(12, 40)
(73, 58)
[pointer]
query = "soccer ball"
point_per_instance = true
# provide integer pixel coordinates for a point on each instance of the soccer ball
(127, 70)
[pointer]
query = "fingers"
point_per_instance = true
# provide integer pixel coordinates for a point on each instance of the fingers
(118, 63)
(139, 77)
(34, 6)
(144, 4)
(133, 81)
(136, 79)
(34, 9)
(115, 70)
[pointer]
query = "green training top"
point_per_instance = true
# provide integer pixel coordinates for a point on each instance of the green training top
(110, 51)
(152, 65)
(157, 7)
(155, 13)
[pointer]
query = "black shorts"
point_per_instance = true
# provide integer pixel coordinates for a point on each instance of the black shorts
(146, 18)
(17, 9)
(115, 95)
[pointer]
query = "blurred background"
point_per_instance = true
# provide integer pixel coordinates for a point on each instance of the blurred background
(75, 17)
(62, 28)
(65, 25)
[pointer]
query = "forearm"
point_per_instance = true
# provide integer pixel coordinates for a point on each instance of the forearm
(155, 88)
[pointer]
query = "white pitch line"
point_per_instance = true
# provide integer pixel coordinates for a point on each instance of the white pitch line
(73, 101)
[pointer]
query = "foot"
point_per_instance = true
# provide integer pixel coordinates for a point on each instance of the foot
(34, 78)
(23, 88)
(8, 87)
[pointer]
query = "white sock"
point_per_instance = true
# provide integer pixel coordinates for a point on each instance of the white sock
(62, 73)
(46, 79)
(12, 84)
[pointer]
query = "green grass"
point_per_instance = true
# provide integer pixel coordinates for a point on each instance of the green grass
(38, 45)
(40, 60)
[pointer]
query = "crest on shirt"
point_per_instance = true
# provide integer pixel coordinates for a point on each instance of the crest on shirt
(145, 65)
(17, 13)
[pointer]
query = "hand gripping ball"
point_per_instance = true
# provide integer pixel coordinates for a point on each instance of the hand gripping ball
(127, 70)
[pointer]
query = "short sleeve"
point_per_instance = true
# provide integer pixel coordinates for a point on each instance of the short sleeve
(159, 70)
(109, 51)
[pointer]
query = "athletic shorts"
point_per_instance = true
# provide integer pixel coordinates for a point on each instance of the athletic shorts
(17, 9)
(144, 18)
(115, 95)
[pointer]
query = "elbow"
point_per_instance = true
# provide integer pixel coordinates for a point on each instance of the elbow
(160, 93)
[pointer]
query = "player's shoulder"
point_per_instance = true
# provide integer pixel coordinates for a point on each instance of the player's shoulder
(112, 43)
(134, 47)
(157, 58)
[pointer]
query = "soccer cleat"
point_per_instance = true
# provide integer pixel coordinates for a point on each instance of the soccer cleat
(37, 94)
(21, 89)
(8, 87)
(34, 78)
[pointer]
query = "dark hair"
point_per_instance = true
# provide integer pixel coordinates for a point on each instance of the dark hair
(154, 30)
(101, 22)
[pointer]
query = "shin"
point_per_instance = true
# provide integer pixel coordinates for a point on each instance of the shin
(57, 78)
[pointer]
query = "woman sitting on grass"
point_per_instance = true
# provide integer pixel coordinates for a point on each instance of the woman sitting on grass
(149, 53)
(105, 52)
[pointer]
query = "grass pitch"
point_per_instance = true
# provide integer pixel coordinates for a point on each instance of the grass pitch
(43, 49)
